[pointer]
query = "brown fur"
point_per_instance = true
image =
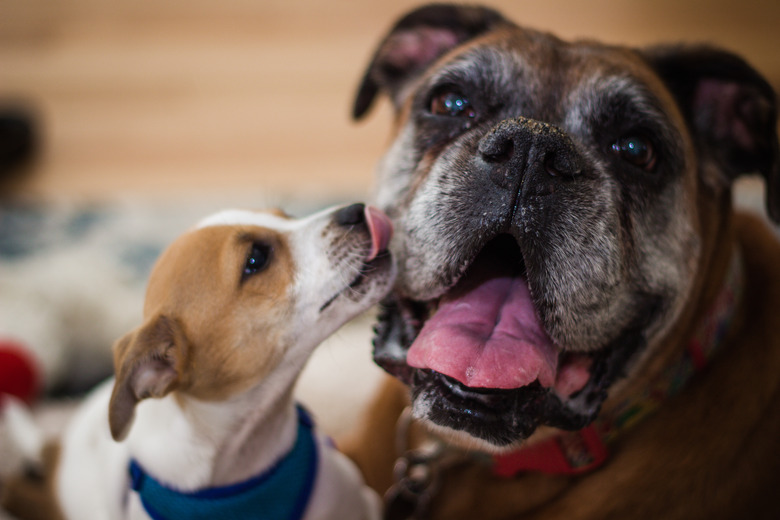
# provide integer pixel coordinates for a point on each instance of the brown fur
(709, 451)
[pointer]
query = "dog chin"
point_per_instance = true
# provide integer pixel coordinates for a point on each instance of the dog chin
(458, 438)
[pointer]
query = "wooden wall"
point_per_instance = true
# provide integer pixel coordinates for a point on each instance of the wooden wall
(189, 98)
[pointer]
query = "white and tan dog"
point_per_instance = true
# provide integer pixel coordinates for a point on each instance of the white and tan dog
(233, 310)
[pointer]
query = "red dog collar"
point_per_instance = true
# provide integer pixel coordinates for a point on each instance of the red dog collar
(568, 453)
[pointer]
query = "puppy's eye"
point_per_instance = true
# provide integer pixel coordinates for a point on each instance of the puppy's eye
(257, 260)
(637, 150)
(451, 103)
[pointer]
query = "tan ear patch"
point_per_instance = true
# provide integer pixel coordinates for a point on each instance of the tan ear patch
(147, 363)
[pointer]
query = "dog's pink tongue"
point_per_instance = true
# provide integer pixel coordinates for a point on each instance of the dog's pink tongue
(381, 229)
(488, 337)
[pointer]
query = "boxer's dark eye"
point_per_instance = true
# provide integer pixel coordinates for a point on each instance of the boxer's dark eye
(257, 259)
(636, 150)
(451, 103)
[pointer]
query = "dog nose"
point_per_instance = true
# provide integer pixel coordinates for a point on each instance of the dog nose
(351, 215)
(517, 145)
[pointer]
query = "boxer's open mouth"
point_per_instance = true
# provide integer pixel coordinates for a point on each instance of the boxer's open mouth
(482, 346)
(485, 332)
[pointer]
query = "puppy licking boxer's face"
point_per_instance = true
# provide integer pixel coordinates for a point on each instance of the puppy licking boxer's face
(548, 199)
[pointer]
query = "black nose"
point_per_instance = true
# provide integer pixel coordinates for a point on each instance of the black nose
(351, 215)
(516, 145)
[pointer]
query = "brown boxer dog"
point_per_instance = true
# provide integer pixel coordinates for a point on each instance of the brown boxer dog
(586, 325)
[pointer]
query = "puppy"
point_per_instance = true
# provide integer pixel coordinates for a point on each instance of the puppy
(200, 421)
(583, 321)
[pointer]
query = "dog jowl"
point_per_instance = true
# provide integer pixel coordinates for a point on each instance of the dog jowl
(549, 199)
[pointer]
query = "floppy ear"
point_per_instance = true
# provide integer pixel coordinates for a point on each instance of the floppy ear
(730, 109)
(416, 41)
(147, 363)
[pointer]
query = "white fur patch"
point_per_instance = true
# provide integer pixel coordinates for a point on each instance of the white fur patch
(234, 217)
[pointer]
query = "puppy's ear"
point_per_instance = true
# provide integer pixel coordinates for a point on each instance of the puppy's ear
(147, 363)
(731, 111)
(416, 41)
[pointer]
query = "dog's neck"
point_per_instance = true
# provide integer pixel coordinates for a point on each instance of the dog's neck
(195, 444)
(708, 335)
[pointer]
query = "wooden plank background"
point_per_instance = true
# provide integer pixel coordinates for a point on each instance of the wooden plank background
(175, 99)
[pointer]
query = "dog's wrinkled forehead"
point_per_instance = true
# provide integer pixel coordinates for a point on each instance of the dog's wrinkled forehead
(522, 72)
(593, 93)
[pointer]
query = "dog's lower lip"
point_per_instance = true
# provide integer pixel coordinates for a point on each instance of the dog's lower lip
(472, 401)
(468, 392)
(461, 390)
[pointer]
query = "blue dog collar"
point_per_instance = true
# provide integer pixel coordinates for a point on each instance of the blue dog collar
(280, 493)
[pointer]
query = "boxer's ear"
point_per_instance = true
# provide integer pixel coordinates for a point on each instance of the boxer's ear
(416, 41)
(731, 111)
(147, 363)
